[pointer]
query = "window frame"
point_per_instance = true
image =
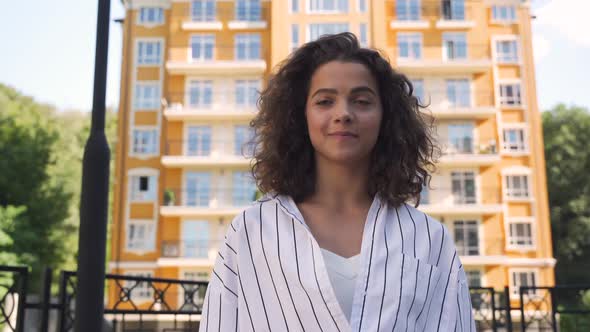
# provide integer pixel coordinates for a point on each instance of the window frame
(321, 10)
(459, 44)
(252, 10)
(514, 291)
(467, 225)
(141, 102)
(517, 98)
(512, 239)
(205, 41)
(503, 20)
(204, 15)
(412, 39)
(335, 28)
(155, 140)
(148, 292)
(252, 43)
(518, 147)
(404, 13)
(142, 19)
(464, 198)
(148, 239)
(149, 60)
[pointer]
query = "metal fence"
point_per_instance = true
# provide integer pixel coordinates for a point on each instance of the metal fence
(140, 303)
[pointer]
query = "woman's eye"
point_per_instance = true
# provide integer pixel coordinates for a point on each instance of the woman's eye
(324, 102)
(363, 102)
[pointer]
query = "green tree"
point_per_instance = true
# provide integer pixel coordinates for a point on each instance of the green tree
(28, 137)
(567, 138)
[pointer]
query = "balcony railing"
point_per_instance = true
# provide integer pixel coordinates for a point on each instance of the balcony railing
(193, 248)
(223, 98)
(212, 13)
(205, 147)
(205, 196)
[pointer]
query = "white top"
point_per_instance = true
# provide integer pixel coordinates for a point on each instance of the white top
(270, 275)
(343, 274)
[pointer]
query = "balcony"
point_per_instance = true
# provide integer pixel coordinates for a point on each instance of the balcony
(239, 18)
(455, 16)
(217, 67)
(193, 252)
(460, 201)
(206, 201)
(440, 66)
(469, 155)
(206, 152)
(222, 106)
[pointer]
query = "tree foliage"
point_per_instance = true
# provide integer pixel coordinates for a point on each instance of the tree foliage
(567, 140)
(40, 181)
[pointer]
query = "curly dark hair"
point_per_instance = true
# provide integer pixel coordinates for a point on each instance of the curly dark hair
(404, 153)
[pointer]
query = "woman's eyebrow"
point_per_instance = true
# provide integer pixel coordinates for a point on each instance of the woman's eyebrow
(363, 89)
(324, 90)
(357, 89)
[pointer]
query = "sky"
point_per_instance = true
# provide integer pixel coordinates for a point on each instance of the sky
(48, 51)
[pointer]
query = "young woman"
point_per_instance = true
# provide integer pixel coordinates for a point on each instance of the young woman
(333, 246)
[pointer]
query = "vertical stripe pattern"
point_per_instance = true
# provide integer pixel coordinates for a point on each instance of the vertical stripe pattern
(269, 275)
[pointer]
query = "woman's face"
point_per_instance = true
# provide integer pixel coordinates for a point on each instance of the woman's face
(343, 112)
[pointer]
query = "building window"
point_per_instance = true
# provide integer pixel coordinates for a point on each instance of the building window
(517, 186)
(453, 10)
(199, 141)
(294, 37)
(466, 237)
(198, 187)
(363, 39)
(141, 235)
(143, 188)
(362, 6)
(317, 30)
(460, 138)
(200, 94)
(294, 6)
(149, 52)
(463, 187)
(247, 93)
(248, 10)
(454, 45)
(510, 94)
(243, 145)
(458, 93)
(244, 188)
(506, 51)
(418, 86)
(145, 141)
(408, 10)
(140, 291)
(520, 233)
(247, 46)
(503, 13)
(202, 47)
(473, 278)
(523, 278)
(328, 6)
(514, 140)
(151, 15)
(203, 10)
(409, 45)
(195, 239)
(147, 96)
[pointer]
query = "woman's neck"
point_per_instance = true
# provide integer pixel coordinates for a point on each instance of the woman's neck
(340, 185)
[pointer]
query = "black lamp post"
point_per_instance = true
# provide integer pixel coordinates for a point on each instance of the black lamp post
(95, 191)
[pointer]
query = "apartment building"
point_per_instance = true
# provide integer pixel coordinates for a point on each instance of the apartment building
(190, 79)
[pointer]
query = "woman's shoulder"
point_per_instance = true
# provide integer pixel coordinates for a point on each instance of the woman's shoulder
(411, 215)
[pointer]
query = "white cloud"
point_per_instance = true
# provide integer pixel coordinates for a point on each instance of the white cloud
(541, 47)
(568, 17)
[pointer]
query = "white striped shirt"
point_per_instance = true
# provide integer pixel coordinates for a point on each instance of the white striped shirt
(270, 275)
